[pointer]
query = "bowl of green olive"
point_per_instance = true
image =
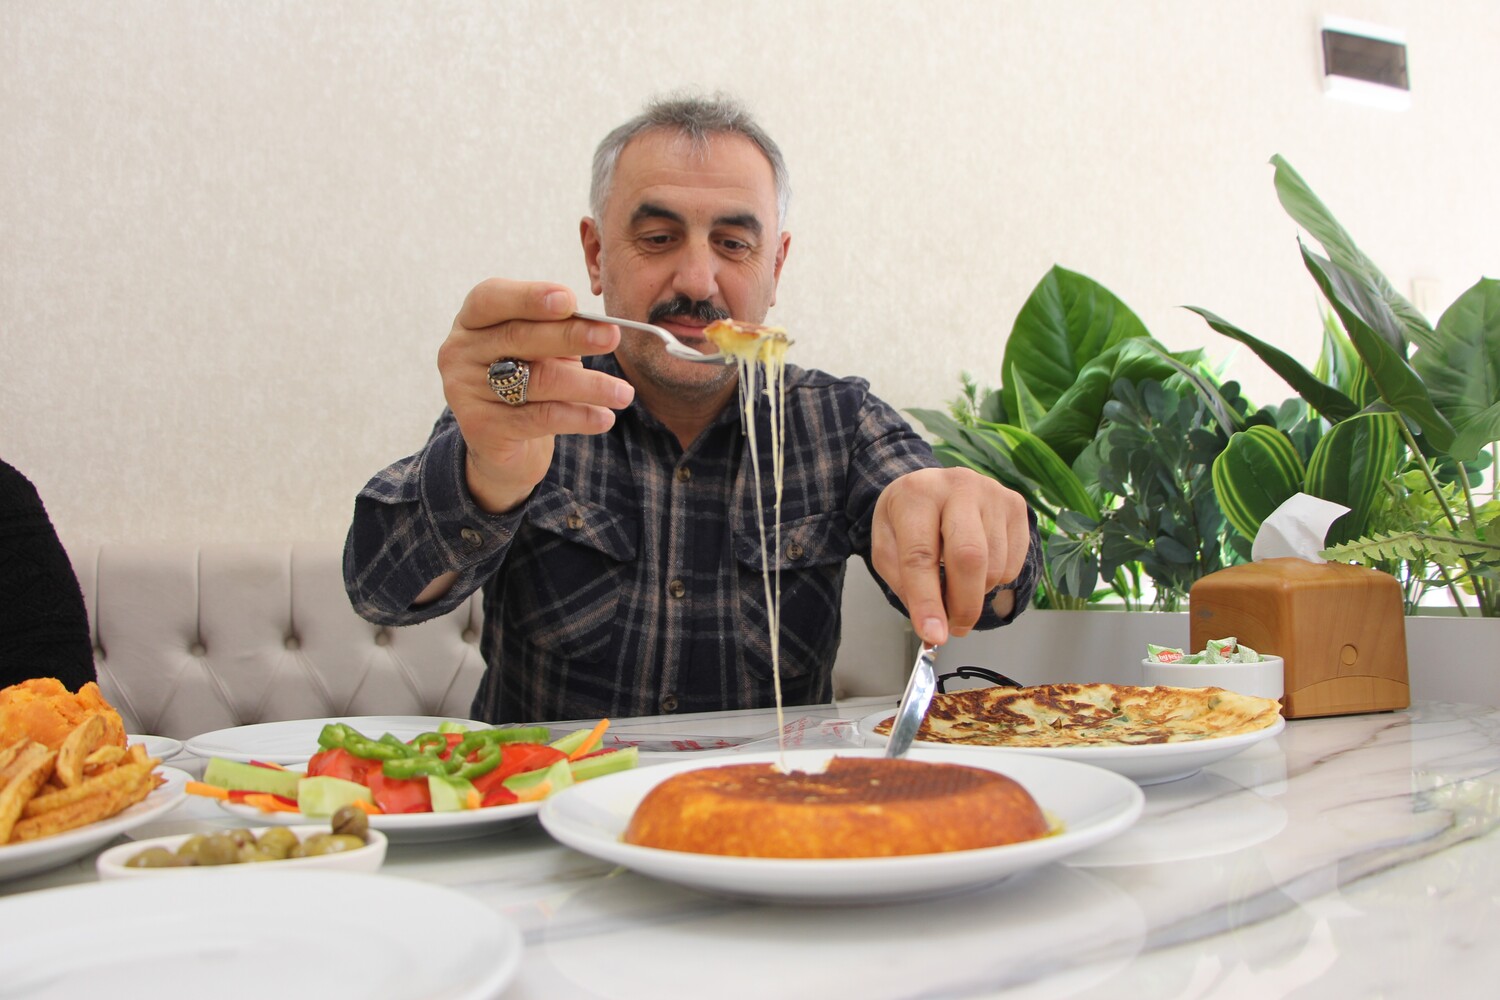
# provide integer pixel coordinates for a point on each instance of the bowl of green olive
(346, 843)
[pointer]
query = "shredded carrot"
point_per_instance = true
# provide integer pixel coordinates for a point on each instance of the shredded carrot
(535, 793)
(595, 737)
(473, 800)
(270, 764)
(369, 807)
(269, 803)
(206, 790)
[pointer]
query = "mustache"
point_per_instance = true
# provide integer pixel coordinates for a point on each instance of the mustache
(683, 307)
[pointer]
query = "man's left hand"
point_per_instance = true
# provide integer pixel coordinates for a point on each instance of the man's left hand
(971, 526)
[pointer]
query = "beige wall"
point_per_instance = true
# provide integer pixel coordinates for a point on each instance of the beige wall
(232, 235)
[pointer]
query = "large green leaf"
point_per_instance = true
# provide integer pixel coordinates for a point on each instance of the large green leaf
(1073, 421)
(979, 449)
(1400, 387)
(1254, 474)
(1039, 463)
(1312, 215)
(1068, 321)
(1350, 466)
(1462, 368)
(1332, 404)
(1228, 420)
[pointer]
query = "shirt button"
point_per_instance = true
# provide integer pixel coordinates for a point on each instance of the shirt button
(382, 638)
(472, 538)
(575, 521)
(684, 474)
(677, 588)
(794, 551)
(669, 703)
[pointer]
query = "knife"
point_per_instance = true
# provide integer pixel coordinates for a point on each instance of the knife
(919, 690)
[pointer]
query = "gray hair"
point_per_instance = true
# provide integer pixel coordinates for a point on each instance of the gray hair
(699, 119)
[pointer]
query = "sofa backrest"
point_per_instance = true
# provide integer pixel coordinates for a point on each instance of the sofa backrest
(188, 639)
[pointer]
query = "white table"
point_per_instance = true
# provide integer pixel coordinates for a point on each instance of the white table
(1349, 857)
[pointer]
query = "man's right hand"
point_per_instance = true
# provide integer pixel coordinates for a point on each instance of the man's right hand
(510, 447)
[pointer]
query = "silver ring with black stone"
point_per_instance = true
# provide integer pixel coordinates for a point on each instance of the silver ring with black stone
(508, 378)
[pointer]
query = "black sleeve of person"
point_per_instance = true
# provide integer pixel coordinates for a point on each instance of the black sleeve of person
(44, 625)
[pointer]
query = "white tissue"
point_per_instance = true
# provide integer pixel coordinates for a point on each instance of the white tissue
(1297, 528)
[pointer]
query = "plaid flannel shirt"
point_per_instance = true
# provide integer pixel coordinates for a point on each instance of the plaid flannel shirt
(630, 583)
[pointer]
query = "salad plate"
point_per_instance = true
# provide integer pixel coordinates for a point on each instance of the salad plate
(411, 828)
(53, 852)
(314, 933)
(293, 741)
(163, 748)
(1088, 804)
(1143, 763)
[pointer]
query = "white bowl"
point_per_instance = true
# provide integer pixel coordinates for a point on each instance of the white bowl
(1263, 680)
(111, 864)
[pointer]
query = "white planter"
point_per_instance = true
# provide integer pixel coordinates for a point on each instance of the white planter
(1448, 658)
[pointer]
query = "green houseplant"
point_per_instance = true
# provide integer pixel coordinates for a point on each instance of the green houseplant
(1111, 439)
(1412, 418)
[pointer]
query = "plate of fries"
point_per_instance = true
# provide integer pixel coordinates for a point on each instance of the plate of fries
(57, 805)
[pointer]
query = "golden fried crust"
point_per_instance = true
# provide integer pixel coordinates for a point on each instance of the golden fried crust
(42, 709)
(857, 808)
(1064, 715)
(750, 341)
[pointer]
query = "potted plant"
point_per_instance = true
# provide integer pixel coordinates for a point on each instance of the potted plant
(1410, 410)
(1398, 420)
(1111, 439)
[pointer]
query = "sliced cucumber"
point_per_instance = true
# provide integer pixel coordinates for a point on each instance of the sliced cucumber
(325, 795)
(237, 776)
(449, 794)
(622, 759)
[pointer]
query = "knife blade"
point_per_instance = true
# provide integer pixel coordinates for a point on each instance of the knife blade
(914, 701)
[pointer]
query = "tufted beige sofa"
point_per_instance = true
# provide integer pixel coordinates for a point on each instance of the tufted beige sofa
(189, 639)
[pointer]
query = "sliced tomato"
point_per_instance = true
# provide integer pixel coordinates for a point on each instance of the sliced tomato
(399, 795)
(498, 796)
(516, 758)
(340, 763)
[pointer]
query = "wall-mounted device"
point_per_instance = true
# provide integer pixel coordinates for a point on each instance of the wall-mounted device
(1365, 63)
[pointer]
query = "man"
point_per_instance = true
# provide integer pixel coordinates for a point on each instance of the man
(600, 492)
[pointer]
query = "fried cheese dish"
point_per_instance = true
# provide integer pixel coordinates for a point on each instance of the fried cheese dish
(1070, 715)
(860, 807)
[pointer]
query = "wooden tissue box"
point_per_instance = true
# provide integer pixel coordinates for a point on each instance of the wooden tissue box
(1341, 630)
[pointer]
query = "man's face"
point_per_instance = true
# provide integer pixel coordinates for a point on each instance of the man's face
(685, 238)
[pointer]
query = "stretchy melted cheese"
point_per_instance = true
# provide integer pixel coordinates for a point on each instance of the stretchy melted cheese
(1065, 715)
(762, 349)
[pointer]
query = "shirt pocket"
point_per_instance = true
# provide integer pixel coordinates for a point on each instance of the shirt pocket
(564, 576)
(811, 558)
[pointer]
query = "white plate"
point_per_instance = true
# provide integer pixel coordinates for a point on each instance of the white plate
(1145, 763)
(1093, 805)
(111, 864)
(411, 828)
(255, 933)
(295, 740)
(51, 852)
(163, 748)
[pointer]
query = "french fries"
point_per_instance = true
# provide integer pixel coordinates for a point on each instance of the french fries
(45, 792)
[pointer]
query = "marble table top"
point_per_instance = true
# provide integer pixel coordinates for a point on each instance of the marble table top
(1350, 857)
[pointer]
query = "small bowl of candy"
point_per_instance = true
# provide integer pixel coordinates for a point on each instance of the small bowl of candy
(1223, 663)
